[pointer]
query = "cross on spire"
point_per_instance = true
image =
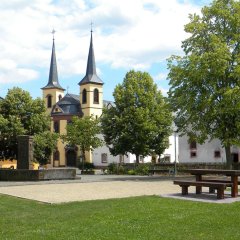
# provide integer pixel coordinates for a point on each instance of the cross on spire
(91, 26)
(53, 32)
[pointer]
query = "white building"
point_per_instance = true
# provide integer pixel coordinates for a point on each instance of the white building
(209, 152)
(102, 156)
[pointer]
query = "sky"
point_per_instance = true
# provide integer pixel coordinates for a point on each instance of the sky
(127, 34)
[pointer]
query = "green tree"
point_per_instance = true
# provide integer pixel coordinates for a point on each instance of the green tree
(205, 84)
(140, 120)
(44, 145)
(20, 114)
(83, 132)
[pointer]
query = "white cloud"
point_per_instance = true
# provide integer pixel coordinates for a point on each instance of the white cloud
(160, 77)
(128, 34)
(18, 75)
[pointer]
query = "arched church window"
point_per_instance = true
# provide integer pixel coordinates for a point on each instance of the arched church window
(96, 96)
(84, 96)
(49, 101)
(59, 97)
(56, 126)
(56, 155)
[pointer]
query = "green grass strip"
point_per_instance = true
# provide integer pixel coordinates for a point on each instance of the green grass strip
(130, 218)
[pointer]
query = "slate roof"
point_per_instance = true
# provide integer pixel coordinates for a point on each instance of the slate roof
(53, 73)
(91, 74)
(68, 105)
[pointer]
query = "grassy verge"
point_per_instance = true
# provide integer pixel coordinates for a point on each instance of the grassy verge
(130, 218)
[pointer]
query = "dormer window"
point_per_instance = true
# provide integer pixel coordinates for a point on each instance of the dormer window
(95, 96)
(84, 96)
(49, 101)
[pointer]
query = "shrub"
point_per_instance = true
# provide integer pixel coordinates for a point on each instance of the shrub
(86, 166)
(112, 168)
(131, 172)
(142, 169)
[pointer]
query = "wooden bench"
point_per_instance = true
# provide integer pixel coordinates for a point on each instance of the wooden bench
(219, 186)
(153, 171)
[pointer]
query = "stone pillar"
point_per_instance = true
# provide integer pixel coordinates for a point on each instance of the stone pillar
(25, 152)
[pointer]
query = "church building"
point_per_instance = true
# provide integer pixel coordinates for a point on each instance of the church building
(62, 107)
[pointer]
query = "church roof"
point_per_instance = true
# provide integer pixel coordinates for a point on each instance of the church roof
(68, 105)
(91, 74)
(53, 73)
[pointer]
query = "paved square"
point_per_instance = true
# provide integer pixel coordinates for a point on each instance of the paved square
(104, 187)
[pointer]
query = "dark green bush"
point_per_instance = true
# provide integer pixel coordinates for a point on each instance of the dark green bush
(131, 169)
(142, 169)
(86, 166)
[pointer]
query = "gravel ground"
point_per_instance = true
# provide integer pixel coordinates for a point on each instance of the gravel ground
(101, 187)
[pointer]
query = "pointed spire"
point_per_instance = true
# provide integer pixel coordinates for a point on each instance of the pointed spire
(91, 74)
(53, 73)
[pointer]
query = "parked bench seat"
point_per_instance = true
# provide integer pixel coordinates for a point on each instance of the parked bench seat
(219, 186)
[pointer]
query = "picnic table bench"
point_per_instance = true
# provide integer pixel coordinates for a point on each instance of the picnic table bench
(219, 186)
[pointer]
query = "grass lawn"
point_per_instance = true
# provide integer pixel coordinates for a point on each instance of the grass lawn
(130, 218)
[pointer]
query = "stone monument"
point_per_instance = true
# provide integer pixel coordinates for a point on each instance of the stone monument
(25, 152)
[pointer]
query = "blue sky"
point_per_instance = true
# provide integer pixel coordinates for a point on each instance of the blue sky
(136, 34)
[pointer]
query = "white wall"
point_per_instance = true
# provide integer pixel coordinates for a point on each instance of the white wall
(131, 158)
(173, 139)
(204, 152)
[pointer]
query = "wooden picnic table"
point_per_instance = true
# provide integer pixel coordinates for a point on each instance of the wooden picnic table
(199, 173)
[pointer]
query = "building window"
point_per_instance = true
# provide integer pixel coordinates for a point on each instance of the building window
(49, 101)
(84, 96)
(141, 159)
(217, 154)
(167, 158)
(95, 96)
(193, 154)
(193, 144)
(56, 155)
(59, 97)
(121, 158)
(104, 158)
(234, 157)
(56, 126)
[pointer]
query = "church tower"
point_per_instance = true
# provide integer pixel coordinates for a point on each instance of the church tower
(52, 92)
(91, 88)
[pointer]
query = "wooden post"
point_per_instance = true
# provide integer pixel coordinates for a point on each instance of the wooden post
(198, 188)
(184, 189)
(235, 186)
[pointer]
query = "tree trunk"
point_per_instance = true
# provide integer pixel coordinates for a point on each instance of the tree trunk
(137, 158)
(228, 156)
(83, 158)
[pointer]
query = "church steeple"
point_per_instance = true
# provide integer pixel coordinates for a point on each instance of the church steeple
(53, 73)
(91, 74)
(53, 91)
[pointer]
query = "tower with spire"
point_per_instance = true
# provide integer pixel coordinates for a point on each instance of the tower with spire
(91, 87)
(53, 91)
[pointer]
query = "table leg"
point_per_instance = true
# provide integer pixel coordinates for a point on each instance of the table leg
(235, 186)
(198, 188)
